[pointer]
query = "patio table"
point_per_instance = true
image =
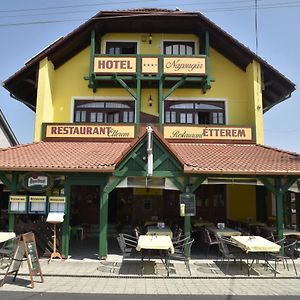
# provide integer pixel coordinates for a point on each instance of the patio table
(223, 232)
(154, 230)
(156, 242)
(5, 236)
(256, 244)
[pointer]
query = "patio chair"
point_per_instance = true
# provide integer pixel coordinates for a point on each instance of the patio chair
(8, 249)
(182, 252)
(127, 244)
(229, 251)
(208, 239)
(288, 254)
(177, 234)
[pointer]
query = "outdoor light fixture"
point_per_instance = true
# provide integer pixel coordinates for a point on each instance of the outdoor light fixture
(150, 101)
(150, 38)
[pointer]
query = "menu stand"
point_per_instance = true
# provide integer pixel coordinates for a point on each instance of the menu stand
(55, 218)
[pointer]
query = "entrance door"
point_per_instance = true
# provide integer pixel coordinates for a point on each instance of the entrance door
(84, 221)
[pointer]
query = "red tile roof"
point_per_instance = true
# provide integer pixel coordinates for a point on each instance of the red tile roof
(62, 156)
(201, 158)
(243, 159)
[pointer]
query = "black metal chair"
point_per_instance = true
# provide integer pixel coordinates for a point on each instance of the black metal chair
(127, 244)
(8, 249)
(182, 251)
(288, 254)
(229, 251)
(208, 239)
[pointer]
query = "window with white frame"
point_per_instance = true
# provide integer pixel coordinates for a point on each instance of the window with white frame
(103, 111)
(195, 112)
(178, 48)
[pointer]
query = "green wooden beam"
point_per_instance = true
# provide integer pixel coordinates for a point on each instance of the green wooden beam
(125, 86)
(105, 190)
(161, 97)
(174, 87)
(197, 183)
(92, 56)
(298, 211)
(208, 69)
(290, 181)
(103, 224)
(178, 184)
(13, 191)
(160, 160)
(5, 180)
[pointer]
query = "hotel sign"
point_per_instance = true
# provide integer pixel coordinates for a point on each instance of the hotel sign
(184, 65)
(171, 65)
(108, 64)
(205, 133)
(90, 131)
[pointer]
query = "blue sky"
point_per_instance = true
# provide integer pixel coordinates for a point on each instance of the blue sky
(26, 27)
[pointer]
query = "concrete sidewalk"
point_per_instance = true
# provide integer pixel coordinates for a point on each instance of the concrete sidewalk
(209, 277)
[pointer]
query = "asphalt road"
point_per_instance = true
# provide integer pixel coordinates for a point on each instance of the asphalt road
(70, 296)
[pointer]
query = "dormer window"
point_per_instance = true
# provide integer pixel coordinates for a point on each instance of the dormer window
(179, 48)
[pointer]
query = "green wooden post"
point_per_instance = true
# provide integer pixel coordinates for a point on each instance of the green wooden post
(160, 94)
(288, 209)
(66, 223)
(279, 207)
(103, 223)
(298, 211)
(13, 191)
(138, 95)
(187, 219)
(92, 56)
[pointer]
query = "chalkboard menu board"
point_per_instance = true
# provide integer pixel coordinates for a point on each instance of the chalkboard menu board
(25, 249)
(189, 202)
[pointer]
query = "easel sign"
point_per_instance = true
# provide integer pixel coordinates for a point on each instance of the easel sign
(25, 250)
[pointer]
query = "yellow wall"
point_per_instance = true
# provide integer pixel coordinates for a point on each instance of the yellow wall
(57, 89)
(241, 202)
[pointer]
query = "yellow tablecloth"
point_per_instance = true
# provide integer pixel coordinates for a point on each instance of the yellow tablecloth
(223, 232)
(255, 244)
(155, 242)
(5, 236)
(286, 231)
(152, 230)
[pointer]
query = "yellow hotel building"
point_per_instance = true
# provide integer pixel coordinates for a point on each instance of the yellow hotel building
(149, 116)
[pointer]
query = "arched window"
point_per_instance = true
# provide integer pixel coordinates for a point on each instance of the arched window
(195, 112)
(103, 111)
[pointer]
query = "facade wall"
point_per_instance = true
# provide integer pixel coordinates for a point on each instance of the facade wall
(239, 89)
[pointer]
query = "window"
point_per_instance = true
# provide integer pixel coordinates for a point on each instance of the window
(121, 48)
(179, 48)
(103, 111)
(196, 112)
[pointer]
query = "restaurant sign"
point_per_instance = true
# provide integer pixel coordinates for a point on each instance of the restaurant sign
(90, 131)
(208, 133)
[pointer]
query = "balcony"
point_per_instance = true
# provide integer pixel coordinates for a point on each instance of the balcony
(132, 71)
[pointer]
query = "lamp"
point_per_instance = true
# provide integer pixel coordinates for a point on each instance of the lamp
(150, 38)
(150, 101)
